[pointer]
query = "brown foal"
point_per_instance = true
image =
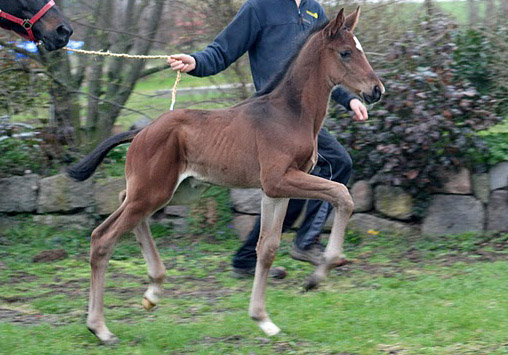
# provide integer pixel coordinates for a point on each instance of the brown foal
(268, 141)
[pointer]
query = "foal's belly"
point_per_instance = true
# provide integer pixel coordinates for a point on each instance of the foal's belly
(230, 175)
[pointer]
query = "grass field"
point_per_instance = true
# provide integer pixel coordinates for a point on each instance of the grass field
(399, 296)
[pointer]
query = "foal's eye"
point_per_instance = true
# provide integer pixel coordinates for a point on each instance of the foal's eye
(345, 54)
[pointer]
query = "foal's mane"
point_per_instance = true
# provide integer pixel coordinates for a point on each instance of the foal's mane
(278, 78)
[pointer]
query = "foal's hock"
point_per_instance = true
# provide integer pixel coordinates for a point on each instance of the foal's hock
(267, 141)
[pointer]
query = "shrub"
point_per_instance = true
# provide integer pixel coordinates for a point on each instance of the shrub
(481, 58)
(23, 148)
(19, 156)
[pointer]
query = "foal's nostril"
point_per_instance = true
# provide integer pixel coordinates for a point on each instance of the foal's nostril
(376, 93)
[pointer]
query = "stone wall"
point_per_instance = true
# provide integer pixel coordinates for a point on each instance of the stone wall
(62, 202)
(466, 202)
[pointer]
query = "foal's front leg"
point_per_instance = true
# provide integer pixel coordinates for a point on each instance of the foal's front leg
(273, 212)
(297, 184)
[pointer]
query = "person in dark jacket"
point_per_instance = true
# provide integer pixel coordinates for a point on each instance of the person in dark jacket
(270, 30)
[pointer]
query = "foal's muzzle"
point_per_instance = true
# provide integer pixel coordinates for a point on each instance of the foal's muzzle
(375, 96)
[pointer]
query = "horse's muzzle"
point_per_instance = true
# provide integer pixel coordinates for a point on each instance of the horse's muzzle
(58, 38)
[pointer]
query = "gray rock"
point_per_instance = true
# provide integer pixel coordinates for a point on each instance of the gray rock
(60, 193)
(177, 224)
(449, 214)
(363, 223)
(177, 211)
(363, 196)
(481, 188)
(106, 192)
(393, 202)
(75, 221)
(499, 176)
(141, 123)
(19, 193)
(246, 200)
(455, 182)
(243, 224)
(498, 211)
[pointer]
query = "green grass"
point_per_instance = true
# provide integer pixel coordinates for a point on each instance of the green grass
(419, 296)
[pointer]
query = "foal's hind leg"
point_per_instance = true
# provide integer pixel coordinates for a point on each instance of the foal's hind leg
(156, 269)
(272, 216)
(104, 239)
(132, 211)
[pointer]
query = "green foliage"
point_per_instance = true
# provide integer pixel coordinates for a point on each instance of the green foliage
(497, 145)
(480, 57)
(18, 155)
(20, 88)
(212, 215)
(114, 164)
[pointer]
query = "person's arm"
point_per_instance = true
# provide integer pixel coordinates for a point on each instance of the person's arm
(227, 47)
(351, 102)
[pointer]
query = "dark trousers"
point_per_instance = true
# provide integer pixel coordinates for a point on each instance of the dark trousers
(334, 163)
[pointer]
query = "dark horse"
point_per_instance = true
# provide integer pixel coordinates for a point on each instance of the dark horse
(36, 20)
(268, 141)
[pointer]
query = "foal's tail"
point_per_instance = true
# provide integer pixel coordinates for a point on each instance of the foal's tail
(87, 166)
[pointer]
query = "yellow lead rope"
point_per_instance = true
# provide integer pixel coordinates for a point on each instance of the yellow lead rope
(132, 56)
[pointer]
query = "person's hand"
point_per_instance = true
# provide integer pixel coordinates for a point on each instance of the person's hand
(359, 110)
(182, 62)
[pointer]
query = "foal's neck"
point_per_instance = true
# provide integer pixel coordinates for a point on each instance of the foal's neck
(306, 88)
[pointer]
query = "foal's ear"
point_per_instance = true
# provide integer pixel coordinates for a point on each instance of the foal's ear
(352, 20)
(335, 25)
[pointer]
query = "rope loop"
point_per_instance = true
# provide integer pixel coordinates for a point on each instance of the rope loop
(132, 56)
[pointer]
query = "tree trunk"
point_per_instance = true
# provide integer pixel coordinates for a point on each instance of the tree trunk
(66, 110)
(122, 74)
(473, 13)
(490, 13)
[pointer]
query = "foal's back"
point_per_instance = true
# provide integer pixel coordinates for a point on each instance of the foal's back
(216, 146)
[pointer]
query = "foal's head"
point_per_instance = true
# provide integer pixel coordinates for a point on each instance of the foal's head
(52, 28)
(345, 60)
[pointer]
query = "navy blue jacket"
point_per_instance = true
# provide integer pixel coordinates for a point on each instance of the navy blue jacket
(270, 30)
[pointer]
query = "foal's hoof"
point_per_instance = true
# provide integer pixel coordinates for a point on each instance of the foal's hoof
(310, 284)
(147, 304)
(110, 341)
(269, 328)
(105, 337)
(342, 262)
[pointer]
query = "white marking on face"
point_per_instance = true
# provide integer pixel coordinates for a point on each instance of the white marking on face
(358, 45)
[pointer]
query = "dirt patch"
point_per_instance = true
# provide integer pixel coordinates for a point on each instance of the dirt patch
(19, 317)
(48, 256)
(20, 276)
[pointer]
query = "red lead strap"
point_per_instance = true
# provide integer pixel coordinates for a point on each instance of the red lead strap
(28, 23)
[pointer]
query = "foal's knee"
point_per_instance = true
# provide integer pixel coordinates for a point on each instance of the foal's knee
(266, 250)
(343, 200)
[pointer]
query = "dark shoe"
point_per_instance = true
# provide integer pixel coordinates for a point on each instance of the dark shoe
(311, 255)
(275, 272)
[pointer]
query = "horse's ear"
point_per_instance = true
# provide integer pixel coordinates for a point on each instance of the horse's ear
(352, 20)
(335, 25)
